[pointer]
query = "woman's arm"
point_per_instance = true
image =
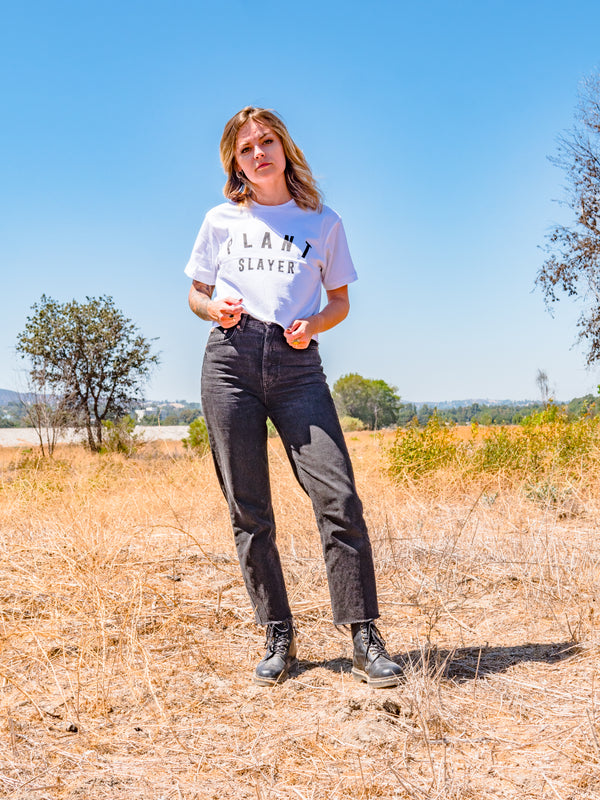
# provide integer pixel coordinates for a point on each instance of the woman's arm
(301, 331)
(226, 312)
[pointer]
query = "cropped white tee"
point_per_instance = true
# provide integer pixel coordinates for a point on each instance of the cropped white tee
(275, 258)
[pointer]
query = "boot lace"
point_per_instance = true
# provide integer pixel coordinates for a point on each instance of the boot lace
(374, 641)
(279, 636)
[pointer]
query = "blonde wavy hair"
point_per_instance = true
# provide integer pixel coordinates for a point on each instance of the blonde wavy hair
(300, 182)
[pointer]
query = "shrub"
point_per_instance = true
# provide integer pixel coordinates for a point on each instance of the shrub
(559, 441)
(546, 446)
(197, 438)
(500, 450)
(350, 424)
(419, 451)
(119, 436)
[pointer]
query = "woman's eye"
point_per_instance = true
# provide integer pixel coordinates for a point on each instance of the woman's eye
(244, 150)
(268, 141)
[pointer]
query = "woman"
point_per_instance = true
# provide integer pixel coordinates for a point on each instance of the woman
(257, 267)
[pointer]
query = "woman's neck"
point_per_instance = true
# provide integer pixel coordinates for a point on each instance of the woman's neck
(271, 195)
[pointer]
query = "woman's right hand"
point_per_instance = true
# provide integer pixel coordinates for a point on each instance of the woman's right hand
(226, 312)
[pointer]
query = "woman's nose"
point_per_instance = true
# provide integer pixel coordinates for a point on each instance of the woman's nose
(258, 152)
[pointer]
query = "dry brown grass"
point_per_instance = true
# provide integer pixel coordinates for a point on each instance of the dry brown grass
(127, 644)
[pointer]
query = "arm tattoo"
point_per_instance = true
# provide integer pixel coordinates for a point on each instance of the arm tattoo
(199, 297)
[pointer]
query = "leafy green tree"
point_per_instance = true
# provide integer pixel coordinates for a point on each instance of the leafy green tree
(573, 263)
(90, 356)
(372, 401)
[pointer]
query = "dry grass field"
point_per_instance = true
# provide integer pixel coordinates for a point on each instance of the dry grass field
(127, 643)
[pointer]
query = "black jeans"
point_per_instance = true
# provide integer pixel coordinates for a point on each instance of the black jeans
(251, 373)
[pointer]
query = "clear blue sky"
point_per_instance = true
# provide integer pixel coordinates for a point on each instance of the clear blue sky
(427, 124)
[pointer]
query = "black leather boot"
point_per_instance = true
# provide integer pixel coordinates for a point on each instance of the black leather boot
(280, 657)
(371, 662)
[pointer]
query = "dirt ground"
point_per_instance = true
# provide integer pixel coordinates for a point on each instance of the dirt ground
(127, 644)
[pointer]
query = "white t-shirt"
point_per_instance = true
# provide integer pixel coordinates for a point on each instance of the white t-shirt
(276, 258)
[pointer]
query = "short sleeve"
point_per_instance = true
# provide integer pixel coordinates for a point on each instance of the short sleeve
(339, 269)
(202, 265)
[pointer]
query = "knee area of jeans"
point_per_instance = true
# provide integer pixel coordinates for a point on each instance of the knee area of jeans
(343, 525)
(248, 541)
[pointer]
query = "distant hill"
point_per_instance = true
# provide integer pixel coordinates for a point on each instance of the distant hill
(7, 396)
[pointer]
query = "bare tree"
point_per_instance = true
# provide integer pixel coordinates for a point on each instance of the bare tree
(543, 385)
(48, 416)
(573, 263)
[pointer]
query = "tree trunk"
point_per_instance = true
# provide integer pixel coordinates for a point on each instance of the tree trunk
(98, 434)
(90, 435)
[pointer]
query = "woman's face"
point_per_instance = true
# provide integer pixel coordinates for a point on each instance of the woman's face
(259, 154)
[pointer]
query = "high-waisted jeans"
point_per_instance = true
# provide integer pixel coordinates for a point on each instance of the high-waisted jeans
(251, 373)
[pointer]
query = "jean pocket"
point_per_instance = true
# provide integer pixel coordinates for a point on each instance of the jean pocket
(219, 335)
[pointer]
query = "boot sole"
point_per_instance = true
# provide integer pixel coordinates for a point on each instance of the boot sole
(376, 683)
(283, 676)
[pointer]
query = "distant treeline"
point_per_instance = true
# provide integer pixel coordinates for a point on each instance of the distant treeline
(504, 414)
(171, 414)
(12, 415)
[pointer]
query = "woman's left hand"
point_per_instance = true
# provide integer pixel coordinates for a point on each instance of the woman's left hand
(301, 331)
(299, 334)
